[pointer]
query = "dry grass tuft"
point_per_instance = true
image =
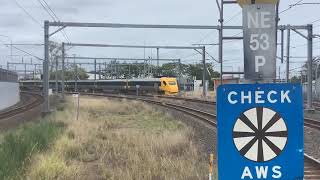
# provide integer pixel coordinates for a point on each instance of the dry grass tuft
(120, 140)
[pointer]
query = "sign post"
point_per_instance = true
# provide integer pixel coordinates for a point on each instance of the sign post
(260, 126)
(260, 132)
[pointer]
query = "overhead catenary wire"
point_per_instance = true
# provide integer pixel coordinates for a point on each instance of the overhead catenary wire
(290, 7)
(227, 21)
(53, 16)
(26, 12)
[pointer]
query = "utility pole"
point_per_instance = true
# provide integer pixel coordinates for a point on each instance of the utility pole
(99, 71)
(95, 69)
(46, 68)
(75, 73)
(221, 41)
(56, 76)
(25, 71)
(279, 74)
(63, 69)
(204, 72)
(288, 56)
(158, 61)
(310, 59)
(282, 45)
(105, 70)
(316, 82)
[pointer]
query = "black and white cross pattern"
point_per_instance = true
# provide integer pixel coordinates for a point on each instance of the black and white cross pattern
(260, 134)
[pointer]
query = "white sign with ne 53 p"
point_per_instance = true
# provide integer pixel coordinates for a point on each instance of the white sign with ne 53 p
(259, 37)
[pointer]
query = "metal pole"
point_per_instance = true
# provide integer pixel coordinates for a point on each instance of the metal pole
(75, 74)
(56, 76)
(105, 70)
(316, 81)
(11, 51)
(46, 105)
(282, 46)
(25, 71)
(221, 42)
(95, 69)
(99, 71)
(158, 61)
(279, 74)
(310, 58)
(204, 72)
(129, 70)
(288, 57)
(76, 79)
(63, 69)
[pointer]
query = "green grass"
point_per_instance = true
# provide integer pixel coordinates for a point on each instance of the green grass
(17, 146)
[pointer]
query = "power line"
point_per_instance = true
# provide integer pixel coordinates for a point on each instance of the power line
(25, 11)
(53, 16)
(21, 50)
(305, 44)
(234, 16)
(291, 6)
(46, 9)
(227, 21)
(51, 9)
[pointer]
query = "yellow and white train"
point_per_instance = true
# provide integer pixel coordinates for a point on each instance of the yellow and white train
(163, 85)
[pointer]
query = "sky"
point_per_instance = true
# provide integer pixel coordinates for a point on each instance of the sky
(22, 22)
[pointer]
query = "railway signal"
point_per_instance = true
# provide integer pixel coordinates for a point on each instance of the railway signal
(260, 134)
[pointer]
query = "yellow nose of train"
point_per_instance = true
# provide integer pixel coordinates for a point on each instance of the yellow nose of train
(169, 85)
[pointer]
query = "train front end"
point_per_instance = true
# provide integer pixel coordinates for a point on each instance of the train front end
(169, 86)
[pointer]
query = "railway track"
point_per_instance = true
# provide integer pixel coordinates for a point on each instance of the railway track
(32, 100)
(308, 122)
(312, 166)
(312, 123)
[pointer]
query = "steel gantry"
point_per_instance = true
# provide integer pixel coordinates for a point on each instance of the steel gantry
(63, 25)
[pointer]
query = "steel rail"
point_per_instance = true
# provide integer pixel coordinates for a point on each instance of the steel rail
(38, 99)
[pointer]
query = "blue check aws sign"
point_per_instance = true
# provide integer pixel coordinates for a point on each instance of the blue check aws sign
(260, 132)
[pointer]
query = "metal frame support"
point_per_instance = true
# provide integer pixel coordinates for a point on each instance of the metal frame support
(158, 57)
(282, 46)
(288, 57)
(57, 30)
(131, 46)
(56, 76)
(118, 58)
(149, 26)
(95, 69)
(310, 59)
(46, 106)
(63, 70)
(47, 24)
(221, 41)
(75, 77)
(204, 72)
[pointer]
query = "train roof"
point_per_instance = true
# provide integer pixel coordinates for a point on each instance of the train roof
(102, 80)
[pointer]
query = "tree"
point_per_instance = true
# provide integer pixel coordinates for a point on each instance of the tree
(196, 70)
(55, 53)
